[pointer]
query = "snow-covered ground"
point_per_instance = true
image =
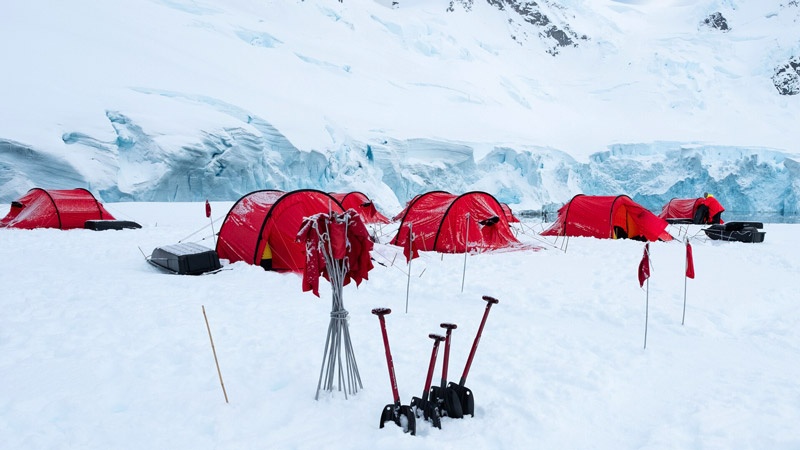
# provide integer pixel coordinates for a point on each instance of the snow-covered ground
(99, 350)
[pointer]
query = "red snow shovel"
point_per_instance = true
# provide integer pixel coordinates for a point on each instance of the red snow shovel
(464, 394)
(428, 408)
(394, 412)
(446, 398)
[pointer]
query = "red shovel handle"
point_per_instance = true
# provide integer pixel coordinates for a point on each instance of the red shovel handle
(445, 360)
(489, 302)
(436, 339)
(381, 311)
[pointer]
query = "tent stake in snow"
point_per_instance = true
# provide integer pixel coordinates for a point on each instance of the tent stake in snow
(466, 251)
(410, 257)
(214, 350)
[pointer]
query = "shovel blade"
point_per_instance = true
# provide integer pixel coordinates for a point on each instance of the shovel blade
(428, 410)
(410, 420)
(448, 400)
(402, 417)
(465, 398)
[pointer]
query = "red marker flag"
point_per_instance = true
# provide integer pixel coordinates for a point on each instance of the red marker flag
(644, 266)
(208, 209)
(689, 261)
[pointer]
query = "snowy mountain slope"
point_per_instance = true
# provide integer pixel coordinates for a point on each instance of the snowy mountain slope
(180, 100)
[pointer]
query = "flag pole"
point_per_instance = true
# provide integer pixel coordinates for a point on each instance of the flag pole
(208, 214)
(687, 273)
(644, 277)
(685, 282)
(646, 311)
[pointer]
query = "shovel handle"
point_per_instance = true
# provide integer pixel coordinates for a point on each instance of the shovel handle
(436, 339)
(381, 311)
(490, 299)
(445, 360)
(489, 302)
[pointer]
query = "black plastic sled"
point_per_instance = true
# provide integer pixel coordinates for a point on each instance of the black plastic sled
(185, 259)
(736, 231)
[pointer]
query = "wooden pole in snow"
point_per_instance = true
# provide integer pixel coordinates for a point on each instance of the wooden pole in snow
(214, 350)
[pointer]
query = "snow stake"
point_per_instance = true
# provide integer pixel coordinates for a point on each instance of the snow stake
(422, 404)
(464, 393)
(330, 242)
(394, 412)
(446, 398)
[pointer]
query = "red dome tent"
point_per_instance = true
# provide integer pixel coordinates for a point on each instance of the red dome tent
(607, 217)
(63, 209)
(439, 222)
(272, 217)
(362, 205)
(692, 210)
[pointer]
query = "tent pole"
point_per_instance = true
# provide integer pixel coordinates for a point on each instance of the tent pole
(410, 257)
(466, 249)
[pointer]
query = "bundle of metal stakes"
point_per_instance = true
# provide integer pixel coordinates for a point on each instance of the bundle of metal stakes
(337, 246)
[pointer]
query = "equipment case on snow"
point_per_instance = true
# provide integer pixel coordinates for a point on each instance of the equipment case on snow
(185, 259)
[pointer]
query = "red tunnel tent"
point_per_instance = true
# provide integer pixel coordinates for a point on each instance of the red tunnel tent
(448, 223)
(359, 202)
(63, 209)
(607, 217)
(692, 210)
(271, 217)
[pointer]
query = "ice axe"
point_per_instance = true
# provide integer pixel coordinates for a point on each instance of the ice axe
(394, 412)
(464, 393)
(428, 408)
(446, 398)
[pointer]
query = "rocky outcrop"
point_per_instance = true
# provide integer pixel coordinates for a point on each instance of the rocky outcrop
(717, 21)
(543, 19)
(787, 77)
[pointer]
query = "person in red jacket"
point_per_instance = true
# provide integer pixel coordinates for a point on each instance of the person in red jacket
(715, 209)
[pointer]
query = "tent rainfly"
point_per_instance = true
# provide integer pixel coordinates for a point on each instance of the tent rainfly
(273, 218)
(692, 210)
(359, 202)
(608, 217)
(509, 214)
(448, 223)
(63, 209)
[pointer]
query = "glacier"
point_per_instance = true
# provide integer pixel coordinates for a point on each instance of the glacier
(228, 163)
